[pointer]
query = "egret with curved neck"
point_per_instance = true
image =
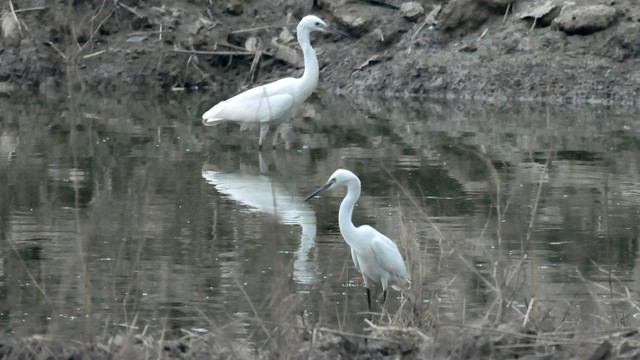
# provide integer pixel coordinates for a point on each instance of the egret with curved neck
(376, 256)
(273, 103)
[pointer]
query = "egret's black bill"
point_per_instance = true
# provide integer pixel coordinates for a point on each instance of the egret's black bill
(339, 32)
(318, 191)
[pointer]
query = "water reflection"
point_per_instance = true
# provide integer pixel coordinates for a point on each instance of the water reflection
(125, 185)
(261, 193)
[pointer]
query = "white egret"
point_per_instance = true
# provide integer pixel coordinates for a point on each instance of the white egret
(273, 103)
(376, 256)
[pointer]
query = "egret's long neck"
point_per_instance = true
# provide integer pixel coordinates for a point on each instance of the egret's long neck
(309, 79)
(347, 229)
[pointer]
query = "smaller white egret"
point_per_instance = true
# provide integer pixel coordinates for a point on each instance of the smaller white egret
(273, 103)
(376, 256)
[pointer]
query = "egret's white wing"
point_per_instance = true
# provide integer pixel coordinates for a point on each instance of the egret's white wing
(354, 256)
(388, 255)
(263, 103)
(250, 107)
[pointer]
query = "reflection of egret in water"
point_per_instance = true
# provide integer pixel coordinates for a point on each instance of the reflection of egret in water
(262, 194)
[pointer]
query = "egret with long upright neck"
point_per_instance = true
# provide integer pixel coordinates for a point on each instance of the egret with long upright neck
(273, 103)
(376, 256)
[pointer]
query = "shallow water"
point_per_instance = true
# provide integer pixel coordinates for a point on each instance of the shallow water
(126, 213)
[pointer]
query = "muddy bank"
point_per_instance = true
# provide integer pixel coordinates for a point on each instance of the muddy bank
(492, 50)
(466, 342)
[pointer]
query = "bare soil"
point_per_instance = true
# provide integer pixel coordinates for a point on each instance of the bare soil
(480, 49)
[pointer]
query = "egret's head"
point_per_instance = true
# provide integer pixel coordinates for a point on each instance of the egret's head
(312, 23)
(340, 177)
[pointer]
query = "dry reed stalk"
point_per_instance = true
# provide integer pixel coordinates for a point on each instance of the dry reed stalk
(258, 28)
(414, 256)
(534, 210)
(93, 33)
(204, 52)
(495, 177)
(403, 330)
(526, 316)
(453, 250)
(88, 56)
(34, 8)
(605, 224)
(54, 47)
(253, 308)
(26, 269)
(350, 334)
(254, 66)
(430, 19)
(15, 17)
(593, 295)
(219, 332)
(623, 296)
(614, 277)
(80, 240)
(506, 12)
(570, 337)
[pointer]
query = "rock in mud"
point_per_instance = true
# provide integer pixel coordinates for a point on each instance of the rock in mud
(388, 30)
(411, 10)
(358, 18)
(354, 17)
(498, 5)
(542, 13)
(624, 43)
(331, 4)
(234, 8)
(287, 54)
(462, 16)
(10, 29)
(7, 87)
(584, 20)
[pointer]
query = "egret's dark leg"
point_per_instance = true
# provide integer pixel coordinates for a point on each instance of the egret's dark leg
(264, 130)
(274, 140)
(384, 297)
(369, 302)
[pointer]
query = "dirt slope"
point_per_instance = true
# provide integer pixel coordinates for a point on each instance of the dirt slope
(484, 49)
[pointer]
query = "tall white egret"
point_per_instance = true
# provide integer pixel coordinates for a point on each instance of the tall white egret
(273, 103)
(374, 254)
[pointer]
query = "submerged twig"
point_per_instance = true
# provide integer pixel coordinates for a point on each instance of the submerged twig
(204, 52)
(403, 330)
(35, 8)
(258, 28)
(15, 17)
(33, 279)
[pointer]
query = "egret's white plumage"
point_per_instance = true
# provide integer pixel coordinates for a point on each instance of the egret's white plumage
(273, 103)
(376, 256)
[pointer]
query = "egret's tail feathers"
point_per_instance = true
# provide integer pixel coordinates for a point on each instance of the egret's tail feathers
(210, 121)
(401, 284)
(214, 114)
(408, 285)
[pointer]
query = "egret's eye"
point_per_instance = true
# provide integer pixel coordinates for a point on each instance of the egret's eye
(317, 23)
(332, 180)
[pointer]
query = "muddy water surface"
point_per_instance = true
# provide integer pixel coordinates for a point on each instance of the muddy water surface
(123, 212)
